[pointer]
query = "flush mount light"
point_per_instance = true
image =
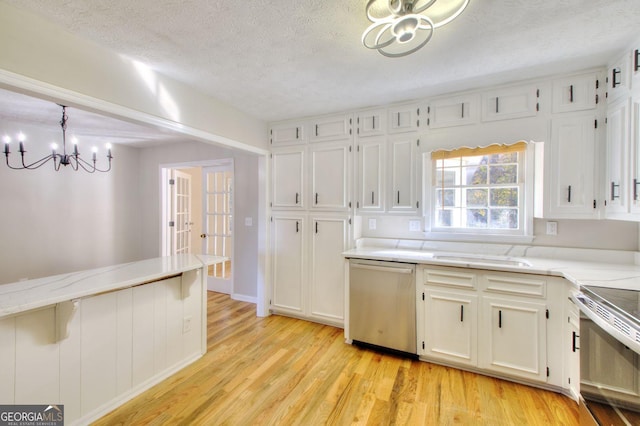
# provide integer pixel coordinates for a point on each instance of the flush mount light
(401, 27)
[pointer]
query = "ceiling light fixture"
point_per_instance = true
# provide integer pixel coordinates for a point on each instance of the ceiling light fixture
(401, 27)
(74, 160)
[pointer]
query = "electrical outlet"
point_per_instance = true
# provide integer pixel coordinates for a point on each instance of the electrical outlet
(372, 224)
(552, 228)
(248, 221)
(186, 325)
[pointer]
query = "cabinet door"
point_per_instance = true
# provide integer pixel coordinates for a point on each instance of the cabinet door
(575, 93)
(634, 144)
(287, 178)
(515, 338)
(330, 171)
(618, 78)
(616, 200)
(288, 263)
(371, 123)
(403, 189)
(571, 162)
(450, 326)
(455, 111)
(572, 350)
(289, 133)
(328, 242)
(512, 102)
(371, 155)
(403, 118)
(331, 128)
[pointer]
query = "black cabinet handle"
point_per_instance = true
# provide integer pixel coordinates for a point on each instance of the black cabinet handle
(297, 133)
(316, 198)
(316, 227)
(635, 189)
(571, 93)
(497, 105)
(374, 122)
(613, 191)
(372, 198)
(499, 319)
(297, 198)
(463, 110)
(297, 226)
(461, 313)
(569, 194)
(398, 197)
(615, 81)
(398, 119)
(574, 347)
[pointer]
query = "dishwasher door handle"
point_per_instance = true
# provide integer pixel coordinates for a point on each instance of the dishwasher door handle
(393, 269)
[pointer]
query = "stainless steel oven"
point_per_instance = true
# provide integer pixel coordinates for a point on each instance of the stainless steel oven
(609, 356)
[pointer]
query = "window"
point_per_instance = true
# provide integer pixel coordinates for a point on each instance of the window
(479, 190)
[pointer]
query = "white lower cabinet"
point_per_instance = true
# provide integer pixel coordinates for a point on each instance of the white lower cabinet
(452, 326)
(288, 267)
(315, 292)
(328, 242)
(514, 338)
(500, 323)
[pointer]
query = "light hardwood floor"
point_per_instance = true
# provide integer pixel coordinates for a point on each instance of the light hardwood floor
(279, 370)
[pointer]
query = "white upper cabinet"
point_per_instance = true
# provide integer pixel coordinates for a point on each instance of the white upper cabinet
(635, 69)
(635, 154)
(454, 111)
(330, 176)
(287, 180)
(403, 118)
(371, 123)
(570, 163)
(403, 174)
(618, 78)
(331, 128)
(617, 185)
(289, 133)
(510, 102)
(371, 155)
(575, 93)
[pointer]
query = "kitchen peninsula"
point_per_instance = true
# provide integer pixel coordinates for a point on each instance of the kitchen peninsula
(91, 340)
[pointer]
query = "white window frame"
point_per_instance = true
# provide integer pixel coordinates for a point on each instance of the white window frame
(522, 235)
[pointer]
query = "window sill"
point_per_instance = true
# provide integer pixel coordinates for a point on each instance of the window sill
(484, 238)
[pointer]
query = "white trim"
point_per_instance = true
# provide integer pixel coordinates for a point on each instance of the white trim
(11, 80)
(245, 298)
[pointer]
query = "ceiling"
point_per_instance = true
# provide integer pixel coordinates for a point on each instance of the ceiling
(276, 59)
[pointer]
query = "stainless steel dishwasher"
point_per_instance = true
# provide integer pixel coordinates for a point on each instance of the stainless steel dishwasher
(382, 304)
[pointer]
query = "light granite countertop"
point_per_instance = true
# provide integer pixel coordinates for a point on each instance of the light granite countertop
(582, 267)
(37, 293)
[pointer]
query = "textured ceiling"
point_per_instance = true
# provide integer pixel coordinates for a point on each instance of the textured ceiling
(284, 59)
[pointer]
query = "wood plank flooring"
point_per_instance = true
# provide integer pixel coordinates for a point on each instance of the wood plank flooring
(283, 371)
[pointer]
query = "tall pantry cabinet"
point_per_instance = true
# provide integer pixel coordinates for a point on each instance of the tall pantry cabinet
(311, 175)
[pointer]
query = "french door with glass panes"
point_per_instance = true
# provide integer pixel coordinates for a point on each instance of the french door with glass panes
(217, 237)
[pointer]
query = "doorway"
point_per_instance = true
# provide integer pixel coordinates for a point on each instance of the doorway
(197, 209)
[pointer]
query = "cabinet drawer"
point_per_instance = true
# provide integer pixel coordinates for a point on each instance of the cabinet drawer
(450, 278)
(515, 285)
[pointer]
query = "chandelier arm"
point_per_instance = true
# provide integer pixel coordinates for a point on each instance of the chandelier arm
(91, 167)
(36, 164)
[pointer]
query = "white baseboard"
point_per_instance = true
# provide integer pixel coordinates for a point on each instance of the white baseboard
(244, 298)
